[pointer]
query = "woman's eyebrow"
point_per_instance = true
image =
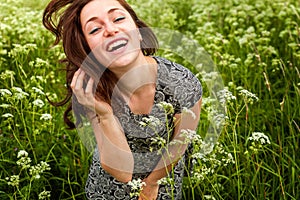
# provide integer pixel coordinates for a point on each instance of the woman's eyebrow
(114, 9)
(109, 12)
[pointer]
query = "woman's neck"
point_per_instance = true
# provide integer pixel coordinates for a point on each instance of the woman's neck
(138, 78)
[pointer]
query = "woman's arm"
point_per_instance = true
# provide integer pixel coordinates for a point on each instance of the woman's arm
(173, 153)
(115, 155)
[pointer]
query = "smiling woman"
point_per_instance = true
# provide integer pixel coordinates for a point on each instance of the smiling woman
(125, 85)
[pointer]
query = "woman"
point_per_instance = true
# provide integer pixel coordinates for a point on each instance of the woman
(118, 83)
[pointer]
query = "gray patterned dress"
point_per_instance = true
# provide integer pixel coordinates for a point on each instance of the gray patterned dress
(176, 85)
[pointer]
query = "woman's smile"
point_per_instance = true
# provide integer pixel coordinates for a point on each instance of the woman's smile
(111, 34)
(117, 45)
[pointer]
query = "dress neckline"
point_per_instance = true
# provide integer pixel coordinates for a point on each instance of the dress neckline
(139, 116)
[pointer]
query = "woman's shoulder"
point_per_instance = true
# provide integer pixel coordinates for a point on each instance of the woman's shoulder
(178, 80)
(172, 71)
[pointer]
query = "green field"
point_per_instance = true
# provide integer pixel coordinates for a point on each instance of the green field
(255, 46)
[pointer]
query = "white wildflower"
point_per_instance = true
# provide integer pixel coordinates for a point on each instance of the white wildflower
(5, 105)
(37, 90)
(14, 180)
(7, 73)
(24, 162)
(169, 109)
(7, 115)
(165, 181)
(225, 96)
(209, 197)
(38, 103)
(46, 117)
(22, 153)
(150, 121)
(259, 137)
(191, 136)
(136, 186)
(44, 195)
(160, 141)
(19, 93)
(36, 170)
(217, 118)
(248, 96)
(207, 101)
(5, 92)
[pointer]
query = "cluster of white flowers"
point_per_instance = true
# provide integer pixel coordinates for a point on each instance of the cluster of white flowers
(225, 96)
(5, 92)
(44, 195)
(39, 63)
(259, 137)
(22, 153)
(14, 180)
(150, 121)
(249, 97)
(169, 109)
(7, 73)
(5, 105)
(38, 91)
(19, 93)
(211, 161)
(165, 181)
(209, 197)
(38, 103)
(46, 117)
(209, 77)
(191, 136)
(24, 161)
(158, 141)
(36, 170)
(136, 186)
(202, 173)
(217, 118)
(21, 49)
(7, 115)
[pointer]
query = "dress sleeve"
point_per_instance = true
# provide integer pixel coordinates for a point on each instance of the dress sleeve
(177, 85)
(189, 90)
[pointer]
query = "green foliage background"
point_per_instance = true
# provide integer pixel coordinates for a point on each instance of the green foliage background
(254, 44)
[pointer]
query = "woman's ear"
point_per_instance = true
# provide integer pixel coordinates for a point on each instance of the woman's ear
(140, 37)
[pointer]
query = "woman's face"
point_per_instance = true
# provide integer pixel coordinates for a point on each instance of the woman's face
(111, 33)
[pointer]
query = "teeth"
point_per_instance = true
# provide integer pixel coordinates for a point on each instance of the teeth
(116, 45)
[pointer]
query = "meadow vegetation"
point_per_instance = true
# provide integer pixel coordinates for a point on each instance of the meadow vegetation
(255, 46)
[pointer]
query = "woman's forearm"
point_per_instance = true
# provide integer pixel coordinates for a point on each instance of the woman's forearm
(177, 147)
(115, 155)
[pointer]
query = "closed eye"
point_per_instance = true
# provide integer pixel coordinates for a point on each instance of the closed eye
(119, 19)
(94, 30)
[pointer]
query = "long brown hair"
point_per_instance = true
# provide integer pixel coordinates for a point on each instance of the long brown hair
(62, 18)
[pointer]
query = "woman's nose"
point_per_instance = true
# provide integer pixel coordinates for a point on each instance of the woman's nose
(110, 29)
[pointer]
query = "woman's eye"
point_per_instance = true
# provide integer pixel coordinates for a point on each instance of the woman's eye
(119, 19)
(94, 30)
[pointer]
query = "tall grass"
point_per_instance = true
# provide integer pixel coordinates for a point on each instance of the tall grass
(255, 46)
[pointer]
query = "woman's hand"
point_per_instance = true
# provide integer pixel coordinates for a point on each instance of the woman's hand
(150, 191)
(86, 96)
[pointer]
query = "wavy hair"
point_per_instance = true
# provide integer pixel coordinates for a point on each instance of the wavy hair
(62, 18)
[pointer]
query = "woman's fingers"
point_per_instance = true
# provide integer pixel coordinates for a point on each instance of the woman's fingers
(84, 96)
(79, 81)
(75, 77)
(89, 87)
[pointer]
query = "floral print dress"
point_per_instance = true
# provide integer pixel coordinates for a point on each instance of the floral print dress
(175, 85)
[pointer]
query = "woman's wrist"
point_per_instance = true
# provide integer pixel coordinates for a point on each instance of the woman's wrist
(152, 183)
(106, 118)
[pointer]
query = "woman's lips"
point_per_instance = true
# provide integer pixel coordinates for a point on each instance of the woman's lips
(116, 44)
